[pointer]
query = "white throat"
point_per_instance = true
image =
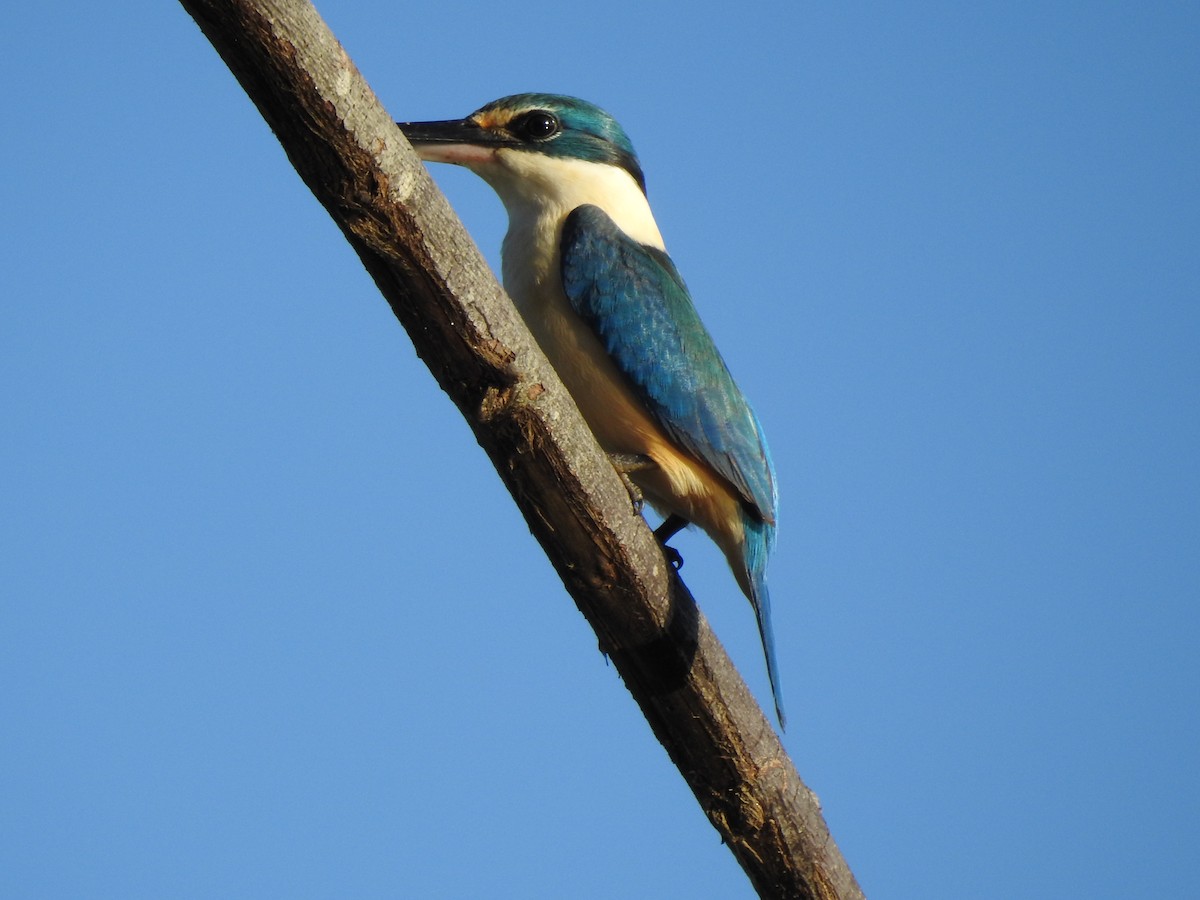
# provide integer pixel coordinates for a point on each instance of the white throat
(539, 192)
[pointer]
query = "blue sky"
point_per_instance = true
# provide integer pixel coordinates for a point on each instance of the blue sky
(270, 626)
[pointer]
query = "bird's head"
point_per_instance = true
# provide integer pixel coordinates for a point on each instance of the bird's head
(519, 143)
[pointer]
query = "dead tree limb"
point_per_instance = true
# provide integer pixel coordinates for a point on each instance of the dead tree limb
(357, 163)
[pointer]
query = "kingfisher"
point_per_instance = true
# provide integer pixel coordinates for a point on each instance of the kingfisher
(586, 266)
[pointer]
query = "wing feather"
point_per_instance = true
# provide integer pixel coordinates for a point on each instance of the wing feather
(634, 299)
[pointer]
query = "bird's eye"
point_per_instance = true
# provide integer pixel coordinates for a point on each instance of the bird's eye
(537, 125)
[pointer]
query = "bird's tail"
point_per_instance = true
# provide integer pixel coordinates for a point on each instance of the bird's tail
(759, 541)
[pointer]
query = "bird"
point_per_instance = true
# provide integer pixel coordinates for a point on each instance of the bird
(586, 266)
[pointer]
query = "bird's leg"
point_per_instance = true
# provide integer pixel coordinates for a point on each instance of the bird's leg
(626, 463)
(670, 527)
(667, 530)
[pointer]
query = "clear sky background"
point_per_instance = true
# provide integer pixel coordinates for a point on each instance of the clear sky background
(270, 625)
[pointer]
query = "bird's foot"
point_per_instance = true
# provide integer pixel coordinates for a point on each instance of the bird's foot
(628, 463)
(625, 464)
(667, 530)
(673, 557)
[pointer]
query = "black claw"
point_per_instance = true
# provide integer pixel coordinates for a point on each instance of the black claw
(667, 530)
(625, 463)
(673, 557)
(635, 493)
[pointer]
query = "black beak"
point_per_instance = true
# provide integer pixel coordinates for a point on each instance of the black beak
(454, 131)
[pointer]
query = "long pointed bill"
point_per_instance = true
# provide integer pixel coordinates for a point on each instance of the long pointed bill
(460, 141)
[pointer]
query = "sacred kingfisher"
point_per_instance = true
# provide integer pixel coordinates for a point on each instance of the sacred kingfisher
(585, 264)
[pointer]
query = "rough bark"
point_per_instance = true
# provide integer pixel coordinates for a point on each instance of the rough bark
(358, 165)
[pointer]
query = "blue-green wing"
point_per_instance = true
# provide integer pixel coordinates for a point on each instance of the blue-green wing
(635, 300)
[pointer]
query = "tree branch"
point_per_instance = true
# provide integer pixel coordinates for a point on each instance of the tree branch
(358, 165)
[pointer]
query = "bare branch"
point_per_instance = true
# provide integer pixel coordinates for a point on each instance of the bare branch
(357, 163)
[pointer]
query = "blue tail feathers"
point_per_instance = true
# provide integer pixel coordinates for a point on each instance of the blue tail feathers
(759, 541)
